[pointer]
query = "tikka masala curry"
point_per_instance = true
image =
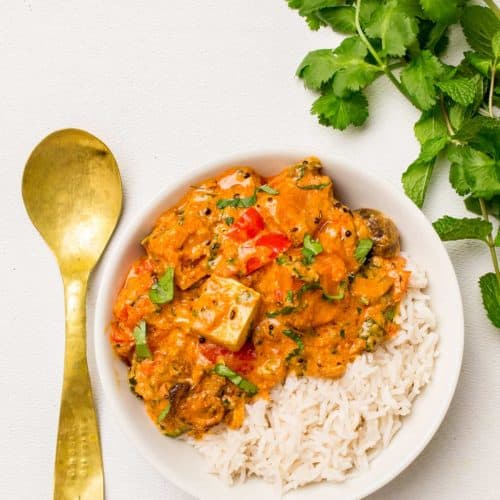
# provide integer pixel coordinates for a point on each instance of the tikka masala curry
(246, 280)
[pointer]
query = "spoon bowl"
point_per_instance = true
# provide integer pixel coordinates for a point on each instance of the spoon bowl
(73, 195)
(72, 192)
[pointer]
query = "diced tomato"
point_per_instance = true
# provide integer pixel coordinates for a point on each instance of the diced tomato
(276, 242)
(247, 226)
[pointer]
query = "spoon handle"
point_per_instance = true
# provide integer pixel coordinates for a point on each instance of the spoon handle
(78, 469)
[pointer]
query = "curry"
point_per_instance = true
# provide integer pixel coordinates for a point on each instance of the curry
(246, 280)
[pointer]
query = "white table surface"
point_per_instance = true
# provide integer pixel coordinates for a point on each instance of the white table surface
(169, 85)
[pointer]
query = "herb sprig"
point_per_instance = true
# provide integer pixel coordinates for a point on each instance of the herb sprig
(403, 40)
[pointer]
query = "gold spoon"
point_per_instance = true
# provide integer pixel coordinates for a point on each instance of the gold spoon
(73, 194)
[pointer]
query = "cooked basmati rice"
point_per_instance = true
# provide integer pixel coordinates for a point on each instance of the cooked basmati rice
(316, 429)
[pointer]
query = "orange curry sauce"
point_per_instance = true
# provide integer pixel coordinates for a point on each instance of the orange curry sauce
(329, 279)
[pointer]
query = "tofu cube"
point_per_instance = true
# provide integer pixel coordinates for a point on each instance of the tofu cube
(224, 312)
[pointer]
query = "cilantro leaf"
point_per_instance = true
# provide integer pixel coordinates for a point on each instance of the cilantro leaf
(163, 291)
(445, 11)
(141, 345)
(363, 249)
(237, 202)
(480, 26)
(310, 249)
(460, 89)
(394, 23)
(310, 10)
(340, 112)
(419, 78)
(298, 340)
(480, 172)
(490, 292)
(266, 188)
(353, 71)
(317, 68)
(416, 180)
(284, 311)
(430, 125)
(450, 228)
(341, 19)
(492, 206)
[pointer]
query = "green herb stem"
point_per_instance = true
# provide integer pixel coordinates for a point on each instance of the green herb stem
(492, 86)
(383, 66)
(491, 4)
(449, 126)
(489, 240)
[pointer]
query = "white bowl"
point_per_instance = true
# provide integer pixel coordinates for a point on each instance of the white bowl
(177, 460)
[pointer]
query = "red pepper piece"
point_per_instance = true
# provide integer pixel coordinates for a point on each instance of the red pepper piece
(247, 226)
(276, 242)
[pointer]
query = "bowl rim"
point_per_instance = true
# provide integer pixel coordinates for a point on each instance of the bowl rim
(196, 173)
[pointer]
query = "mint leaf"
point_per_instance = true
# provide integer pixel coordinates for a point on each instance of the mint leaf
(492, 206)
(490, 292)
(317, 68)
(430, 125)
(480, 62)
(341, 19)
(480, 26)
(471, 127)
(480, 171)
(363, 249)
(432, 147)
(394, 23)
(416, 180)
(458, 180)
(419, 78)
(340, 112)
(445, 11)
(450, 228)
(460, 89)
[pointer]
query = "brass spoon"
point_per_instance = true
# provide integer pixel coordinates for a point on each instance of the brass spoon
(73, 194)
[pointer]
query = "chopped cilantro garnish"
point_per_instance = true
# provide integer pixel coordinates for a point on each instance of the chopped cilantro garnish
(163, 290)
(363, 249)
(237, 202)
(311, 249)
(266, 188)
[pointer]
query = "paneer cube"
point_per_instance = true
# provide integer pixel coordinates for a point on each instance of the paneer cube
(224, 312)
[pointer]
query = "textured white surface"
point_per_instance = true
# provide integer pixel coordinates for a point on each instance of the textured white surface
(169, 85)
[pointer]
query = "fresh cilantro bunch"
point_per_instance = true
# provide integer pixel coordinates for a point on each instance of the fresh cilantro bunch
(403, 40)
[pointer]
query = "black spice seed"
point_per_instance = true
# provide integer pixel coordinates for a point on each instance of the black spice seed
(271, 327)
(232, 314)
(236, 195)
(294, 229)
(207, 211)
(316, 220)
(348, 233)
(246, 175)
(208, 242)
(202, 340)
(338, 204)
(269, 199)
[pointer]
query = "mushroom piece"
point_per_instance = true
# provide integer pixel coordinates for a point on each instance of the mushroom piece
(383, 232)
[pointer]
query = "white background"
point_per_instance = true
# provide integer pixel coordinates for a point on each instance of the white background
(169, 85)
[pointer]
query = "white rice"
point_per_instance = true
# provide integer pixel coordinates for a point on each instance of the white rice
(316, 429)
